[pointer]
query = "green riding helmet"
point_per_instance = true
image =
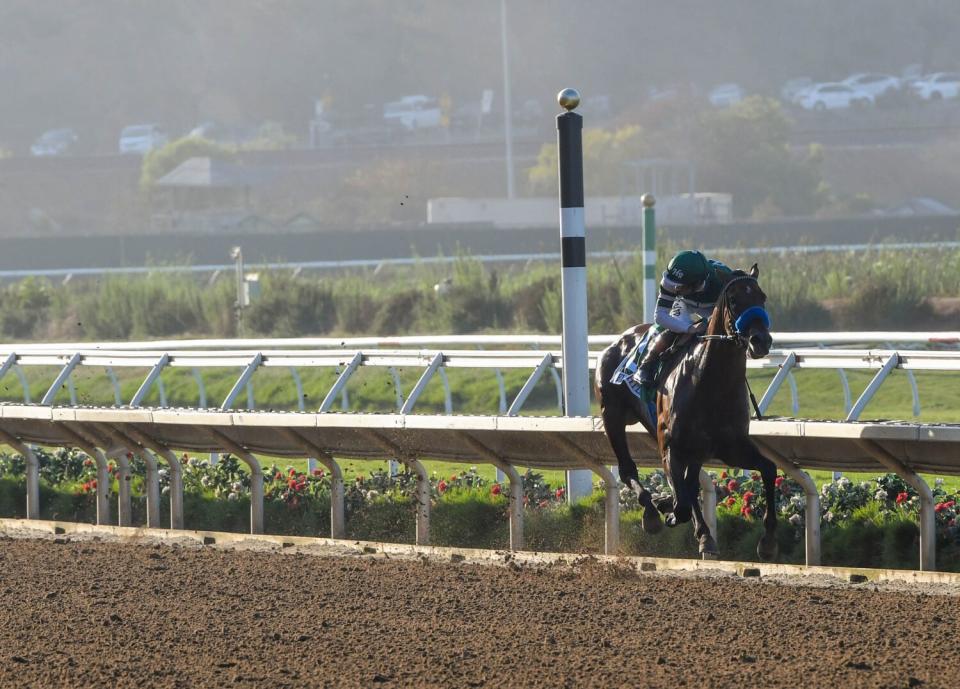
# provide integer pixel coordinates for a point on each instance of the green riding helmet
(688, 268)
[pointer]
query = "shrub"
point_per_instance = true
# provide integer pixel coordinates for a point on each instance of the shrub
(292, 306)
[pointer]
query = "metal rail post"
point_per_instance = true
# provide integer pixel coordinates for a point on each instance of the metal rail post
(573, 280)
(516, 487)
(649, 248)
(256, 478)
(176, 472)
(338, 528)
(423, 483)
(611, 541)
(33, 473)
(708, 504)
(152, 481)
(928, 525)
(811, 517)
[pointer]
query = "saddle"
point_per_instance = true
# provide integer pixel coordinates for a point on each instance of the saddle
(627, 372)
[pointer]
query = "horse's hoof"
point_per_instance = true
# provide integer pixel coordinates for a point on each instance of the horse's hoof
(767, 549)
(664, 504)
(708, 547)
(651, 521)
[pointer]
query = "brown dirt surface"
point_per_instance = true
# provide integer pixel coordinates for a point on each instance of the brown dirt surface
(84, 613)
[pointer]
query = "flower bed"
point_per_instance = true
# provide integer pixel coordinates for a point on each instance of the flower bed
(867, 523)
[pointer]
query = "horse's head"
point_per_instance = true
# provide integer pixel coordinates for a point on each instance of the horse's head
(745, 317)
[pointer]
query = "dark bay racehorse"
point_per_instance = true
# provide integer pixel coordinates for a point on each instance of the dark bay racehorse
(702, 411)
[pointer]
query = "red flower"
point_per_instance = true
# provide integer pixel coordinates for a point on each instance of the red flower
(318, 473)
(902, 498)
(747, 496)
(88, 462)
(292, 484)
(778, 481)
(723, 474)
(442, 486)
(542, 504)
(453, 478)
(129, 455)
(278, 476)
(559, 493)
(93, 484)
(732, 486)
(292, 472)
(939, 507)
(949, 503)
(731, 501)
(495, 489)
(746, 511)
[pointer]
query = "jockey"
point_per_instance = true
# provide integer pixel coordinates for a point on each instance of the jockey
(689, 290)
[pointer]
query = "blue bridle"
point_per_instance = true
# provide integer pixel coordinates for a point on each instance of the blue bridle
(750, 315)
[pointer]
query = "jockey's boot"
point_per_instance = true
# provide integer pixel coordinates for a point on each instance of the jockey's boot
(647, 373)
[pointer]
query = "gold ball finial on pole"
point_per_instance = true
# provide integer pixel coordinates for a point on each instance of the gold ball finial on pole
(647, 200)
(568, 99)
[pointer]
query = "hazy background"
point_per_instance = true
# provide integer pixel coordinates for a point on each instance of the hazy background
(256, 69)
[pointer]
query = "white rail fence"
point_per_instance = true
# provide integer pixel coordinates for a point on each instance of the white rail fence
(103, 432)
(506, 442)
(250, 355)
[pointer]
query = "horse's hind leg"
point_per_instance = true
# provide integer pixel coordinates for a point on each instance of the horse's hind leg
(616, 429)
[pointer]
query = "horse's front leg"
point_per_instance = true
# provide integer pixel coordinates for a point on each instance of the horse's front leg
(746, 456)
(677, 475)
(707, 543)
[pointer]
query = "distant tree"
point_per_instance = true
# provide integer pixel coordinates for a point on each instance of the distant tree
(604, 155)
(744, 150)
(160, 161)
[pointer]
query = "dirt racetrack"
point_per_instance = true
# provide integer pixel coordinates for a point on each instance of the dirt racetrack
(84, 613)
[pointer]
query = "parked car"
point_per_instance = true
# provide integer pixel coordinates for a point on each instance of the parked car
(793, 89)
(876, 85)
(55, 142)
(413, 112)
(833, 96)
(938, 86)
(141, 138)
(725, 95)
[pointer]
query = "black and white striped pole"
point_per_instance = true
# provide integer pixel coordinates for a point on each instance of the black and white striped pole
(573, 253)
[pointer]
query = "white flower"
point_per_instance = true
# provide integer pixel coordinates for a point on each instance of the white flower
(163, 473)
(880, 495)
(938, 482)
(233, 497)
(828, 516)
(795, 519)
(165, 490)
